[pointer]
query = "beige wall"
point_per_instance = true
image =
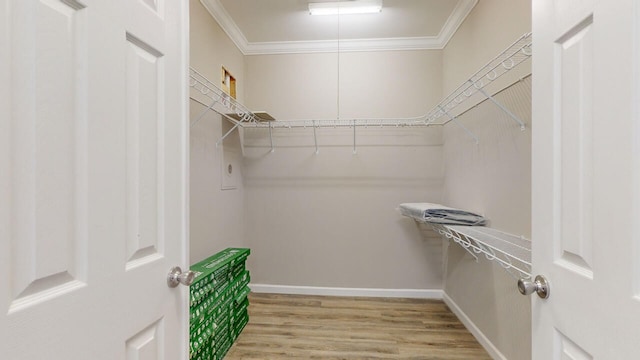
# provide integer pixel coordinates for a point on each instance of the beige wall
(293, 86)
(329, 219)
(216, 215)
(356, 84)
(489, 29)
(493, 177)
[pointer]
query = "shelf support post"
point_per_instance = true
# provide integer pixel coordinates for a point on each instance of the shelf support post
(503, 108)
(455, 121)
(354, 137)
(315, 138)
(204, 112)
(271, 137)
(227, 134)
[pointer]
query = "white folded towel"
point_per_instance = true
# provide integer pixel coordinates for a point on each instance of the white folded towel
(440, 214)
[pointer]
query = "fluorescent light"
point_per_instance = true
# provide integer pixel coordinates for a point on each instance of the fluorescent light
(346, 7)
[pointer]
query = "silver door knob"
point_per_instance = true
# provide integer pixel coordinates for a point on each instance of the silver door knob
(176, 277)
(539, 285)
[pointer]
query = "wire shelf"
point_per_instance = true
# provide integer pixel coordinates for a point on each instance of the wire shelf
(513, 253)
(221, 102)
(342, 123)
(511, 57)
(442, 114)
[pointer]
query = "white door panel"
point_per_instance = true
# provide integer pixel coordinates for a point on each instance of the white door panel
(585, 179)
(93, 178)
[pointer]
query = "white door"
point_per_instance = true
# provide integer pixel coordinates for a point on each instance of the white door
(93, 149)
(586, 178)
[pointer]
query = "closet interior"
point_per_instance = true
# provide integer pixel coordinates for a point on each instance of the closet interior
(311, 183)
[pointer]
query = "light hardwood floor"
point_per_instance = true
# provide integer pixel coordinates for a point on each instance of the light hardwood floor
(319, 327)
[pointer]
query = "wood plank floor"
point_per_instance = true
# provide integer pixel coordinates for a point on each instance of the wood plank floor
(319, 327)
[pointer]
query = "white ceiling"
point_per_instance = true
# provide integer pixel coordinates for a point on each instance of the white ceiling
(285, 26)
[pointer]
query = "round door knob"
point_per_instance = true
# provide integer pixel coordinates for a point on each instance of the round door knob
(526, 287)
(539, 285)
(176, 277)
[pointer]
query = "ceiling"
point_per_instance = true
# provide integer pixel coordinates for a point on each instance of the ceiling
(285, 26)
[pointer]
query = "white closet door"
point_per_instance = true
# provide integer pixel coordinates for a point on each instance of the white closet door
(586, 179)
(93, 149)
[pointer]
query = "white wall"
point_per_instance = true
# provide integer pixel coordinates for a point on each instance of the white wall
(329, 219)
(493, 177)
(216, 215)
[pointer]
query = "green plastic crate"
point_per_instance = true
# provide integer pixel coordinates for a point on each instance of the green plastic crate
(218, 303)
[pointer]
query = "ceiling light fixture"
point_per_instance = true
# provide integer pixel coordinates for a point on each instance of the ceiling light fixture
(346, 7)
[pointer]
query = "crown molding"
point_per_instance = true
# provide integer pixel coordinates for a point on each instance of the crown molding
(457, 17)
(305, 47)
(220, 14)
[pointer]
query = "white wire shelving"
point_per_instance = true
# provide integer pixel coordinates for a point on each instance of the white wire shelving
(507, 60)
(222, 103)
(511, 252)
(443, 113)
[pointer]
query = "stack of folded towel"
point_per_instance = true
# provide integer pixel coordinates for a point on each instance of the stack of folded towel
(439, 214)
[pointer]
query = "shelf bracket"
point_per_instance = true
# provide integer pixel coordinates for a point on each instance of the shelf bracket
(227, 134)
(203, 113)
(466, 243)
(450, 235)
(271, 137)
(315, 137)
(455, 121)
(503, 108)
(354, 137)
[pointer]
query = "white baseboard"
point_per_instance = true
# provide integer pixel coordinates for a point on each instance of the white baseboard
(334, 291)
(473, 329)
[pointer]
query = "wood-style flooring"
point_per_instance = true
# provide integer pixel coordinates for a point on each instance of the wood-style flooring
(320, 327)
